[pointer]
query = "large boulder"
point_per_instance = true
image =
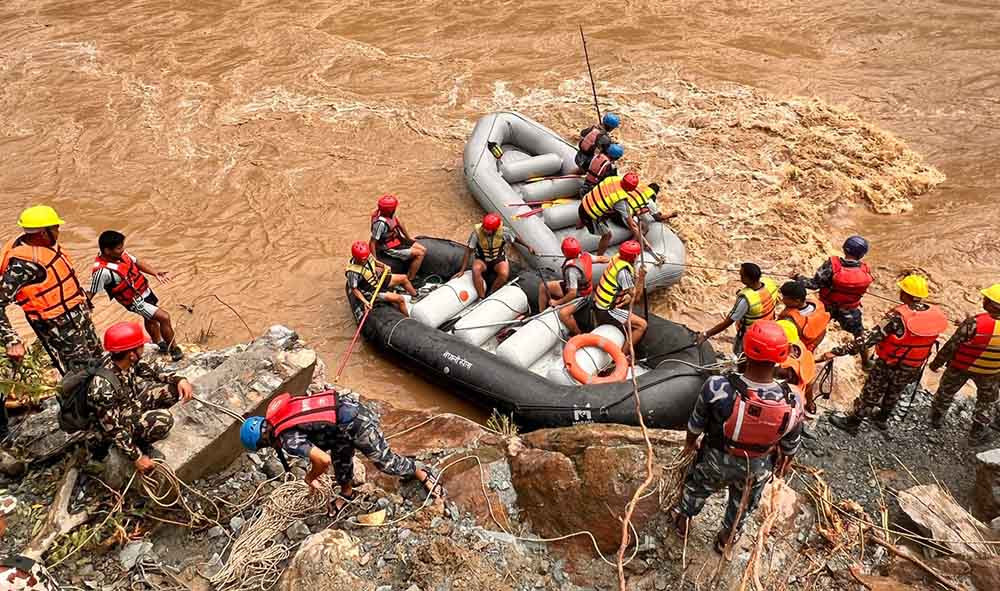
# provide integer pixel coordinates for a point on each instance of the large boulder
(986, 497)
(325, 561)
(935, 511)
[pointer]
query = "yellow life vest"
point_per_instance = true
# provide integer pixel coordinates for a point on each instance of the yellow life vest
(367, 272)
(607, 288)
(762, 301)
(490, 248)
(602, 199)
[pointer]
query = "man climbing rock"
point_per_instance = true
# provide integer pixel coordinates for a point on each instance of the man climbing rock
(120, 275)
(972, 353)
(38, 276)
(124, 398)
(326, 428)
(904, 339)
(842, 282)
(595, 137)
(756, 301)
(745, 418)
(488, 245)
(391, 239)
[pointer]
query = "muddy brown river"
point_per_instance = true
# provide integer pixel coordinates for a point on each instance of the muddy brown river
(241, 144)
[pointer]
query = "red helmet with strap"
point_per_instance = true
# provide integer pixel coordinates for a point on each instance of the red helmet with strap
(491, 222)
(629, 250)
(124, 336)
(766, 341)
(571, 247)
(387, 204)
(630, 181)
(359, 250)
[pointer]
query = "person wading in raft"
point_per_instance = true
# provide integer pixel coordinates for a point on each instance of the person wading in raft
(595, 137)
(489, 241)
(577, 282)
(391, 239)
(120, 274)
(755, 302)
(616, 290)
(601, 167)
(624, 197)
(363, 274)
(326, 428)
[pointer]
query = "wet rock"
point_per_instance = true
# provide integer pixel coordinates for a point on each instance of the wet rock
(986, 496)
(132, 552)
(38, 437)
(272, 468)
(117, 469)
(216, 532)
(297, 531)
(939, 515)
(325, 561)
(236, 523)
(10, 465)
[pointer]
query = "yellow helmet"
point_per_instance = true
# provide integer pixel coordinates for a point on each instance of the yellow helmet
(992, 293)
(38, 217)
(915, 285)
(791, 331)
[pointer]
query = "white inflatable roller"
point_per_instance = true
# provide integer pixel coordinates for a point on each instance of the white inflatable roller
(444, 302)
(531, 341)
(594, 359)
(550, 189)
(562, 216)
(536, 166)
(506, 304)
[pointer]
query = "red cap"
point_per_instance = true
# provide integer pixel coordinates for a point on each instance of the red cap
(571, 247)
(766, 341)
(124, 336)
(387, 204)
(359, 250)
(629, 250)
(630, 181)
(491, 222)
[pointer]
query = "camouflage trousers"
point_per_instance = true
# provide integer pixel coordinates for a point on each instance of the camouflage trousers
(716, 469)
(70, 339)
(883, 389)
(849, 320)
(365, 435)
(155, 422)
(987, 393)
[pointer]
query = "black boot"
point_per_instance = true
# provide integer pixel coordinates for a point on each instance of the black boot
(849, 423)
(937, 418)
(978, 434)
(881, 421)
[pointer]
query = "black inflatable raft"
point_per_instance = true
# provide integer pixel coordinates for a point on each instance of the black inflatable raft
(669, 381)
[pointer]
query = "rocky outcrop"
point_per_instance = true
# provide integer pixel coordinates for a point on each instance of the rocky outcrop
(987, 492)
(325, 561)
(938, 515)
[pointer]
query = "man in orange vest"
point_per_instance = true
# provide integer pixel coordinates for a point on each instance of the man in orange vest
(904, 340)
(809, 316)
(972, 353)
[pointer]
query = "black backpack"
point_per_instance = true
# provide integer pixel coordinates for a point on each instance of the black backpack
(75, 413)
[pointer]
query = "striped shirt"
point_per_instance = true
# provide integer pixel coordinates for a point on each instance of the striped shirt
(106, 279)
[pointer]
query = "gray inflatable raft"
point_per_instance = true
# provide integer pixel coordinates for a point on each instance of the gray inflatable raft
(537, 165)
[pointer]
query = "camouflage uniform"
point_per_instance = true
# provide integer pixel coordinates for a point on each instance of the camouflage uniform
(849, 320)
(359, 430)
(952, 380)
(134, 416)
(70, 338)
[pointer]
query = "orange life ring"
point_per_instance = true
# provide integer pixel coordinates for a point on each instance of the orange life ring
(606, 345)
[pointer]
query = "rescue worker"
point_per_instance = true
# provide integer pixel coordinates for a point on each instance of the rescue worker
(756, 301)
(130, 411)
(842, 282)
(120, 274)
(38, 276)
(904, 338)
(752, 427)
(972, 353)
(390, 237)
(616, 290)
(364, 273)
(489, 240)
(602, 165)
(595, 137)
(807, 315)
(624, 197)
(326, 428)
(799, 369)
(577, 282)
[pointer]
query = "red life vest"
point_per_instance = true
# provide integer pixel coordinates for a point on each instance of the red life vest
(589, 140)
(755, 426)
(133, 283)
(285, 411)
(980, 354)
(849, 284)
(585, 265)
(600, 167)
(391, 238)
(921, 329)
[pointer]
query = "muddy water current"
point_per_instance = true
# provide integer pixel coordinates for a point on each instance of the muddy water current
(241, 144)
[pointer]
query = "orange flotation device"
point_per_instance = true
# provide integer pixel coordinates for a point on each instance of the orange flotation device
(606, 345)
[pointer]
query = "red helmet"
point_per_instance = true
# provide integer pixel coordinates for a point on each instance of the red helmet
(387, 204)
(571, 247)
(359, 250)
(766, 341)
(124, 336)
(630, 181)
(491, 222)
(629, 250)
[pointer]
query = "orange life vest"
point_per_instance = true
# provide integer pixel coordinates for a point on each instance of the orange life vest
(285, 411)
(585, 264)
(589, 140)
(980, 354)
(812, 328)
(392, 238)
(755, 425)
(801, 361)
(921, 330)
(55, 295)
(600, 167)
(133, 283)
(849, 284)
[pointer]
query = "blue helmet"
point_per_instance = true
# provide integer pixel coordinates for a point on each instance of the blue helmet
(610, 121)
(856, 246)
(615, 151)
(251, 432)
